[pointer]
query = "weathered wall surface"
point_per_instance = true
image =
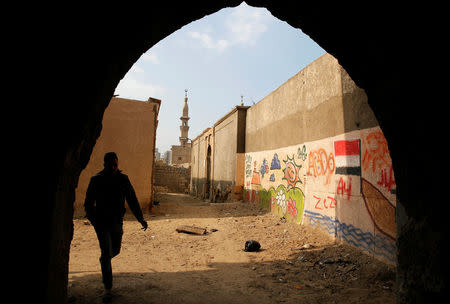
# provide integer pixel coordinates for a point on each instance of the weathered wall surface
(173, 179)
(224, 165)
(194, 165)
(199, 168)
(306, 107)
(129, 128)
(331, 167)
(227, 141)
(342, 184)
(181, 154)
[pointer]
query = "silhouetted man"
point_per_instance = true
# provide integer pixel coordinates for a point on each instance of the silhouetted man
(105, 208)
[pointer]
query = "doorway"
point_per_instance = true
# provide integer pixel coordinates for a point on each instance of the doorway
(208, 173)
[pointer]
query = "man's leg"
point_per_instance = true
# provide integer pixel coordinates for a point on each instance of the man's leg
(116, 238)
(105, 241)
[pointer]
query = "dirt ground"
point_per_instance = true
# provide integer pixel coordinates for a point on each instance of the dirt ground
(296, 264)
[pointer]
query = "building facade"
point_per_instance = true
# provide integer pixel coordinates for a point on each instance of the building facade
(217, 158)
(129, 129)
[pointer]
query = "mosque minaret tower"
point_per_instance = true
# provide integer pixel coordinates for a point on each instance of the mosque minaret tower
(184, 128)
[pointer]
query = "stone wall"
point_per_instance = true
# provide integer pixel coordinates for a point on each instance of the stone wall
(180, 154)
(171, 179)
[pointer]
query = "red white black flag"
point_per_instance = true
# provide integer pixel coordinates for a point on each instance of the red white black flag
(347, 157)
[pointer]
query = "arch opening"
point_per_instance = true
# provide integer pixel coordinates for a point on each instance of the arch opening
(329, 89)
(357, 60)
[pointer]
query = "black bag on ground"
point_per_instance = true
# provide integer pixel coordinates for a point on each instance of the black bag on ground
(252, 246)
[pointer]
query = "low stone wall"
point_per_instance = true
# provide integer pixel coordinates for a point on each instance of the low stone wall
(171, 179)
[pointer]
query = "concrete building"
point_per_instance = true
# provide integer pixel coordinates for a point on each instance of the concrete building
(312, 152)
(129, 129)
(181, 154)
(219, 176)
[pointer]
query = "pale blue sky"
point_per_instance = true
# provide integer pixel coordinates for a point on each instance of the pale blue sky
(236, 51)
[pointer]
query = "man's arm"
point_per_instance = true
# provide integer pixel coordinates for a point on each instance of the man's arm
(133, 203)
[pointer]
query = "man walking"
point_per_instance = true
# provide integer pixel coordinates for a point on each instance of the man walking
(105, 209)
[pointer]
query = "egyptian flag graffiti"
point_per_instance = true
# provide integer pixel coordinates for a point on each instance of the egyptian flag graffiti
(347, 157)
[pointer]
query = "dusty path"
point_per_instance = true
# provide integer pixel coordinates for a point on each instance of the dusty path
(161, 265)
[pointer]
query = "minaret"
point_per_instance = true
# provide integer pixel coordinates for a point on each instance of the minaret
(184, 128)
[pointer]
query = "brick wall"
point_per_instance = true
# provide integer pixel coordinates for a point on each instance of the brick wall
(174, 179)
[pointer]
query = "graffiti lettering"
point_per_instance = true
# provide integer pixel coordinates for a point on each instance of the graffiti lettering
(343, 188)
(331, 205)
(321, 164)
(385, 180)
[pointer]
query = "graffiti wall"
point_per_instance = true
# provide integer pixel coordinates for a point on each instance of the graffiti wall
(343, 184)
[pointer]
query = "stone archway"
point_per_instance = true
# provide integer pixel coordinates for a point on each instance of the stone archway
(376, 50)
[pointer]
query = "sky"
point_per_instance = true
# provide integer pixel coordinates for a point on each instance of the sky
(236, 51)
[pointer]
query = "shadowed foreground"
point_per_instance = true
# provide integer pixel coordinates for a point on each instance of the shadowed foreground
(297, 264)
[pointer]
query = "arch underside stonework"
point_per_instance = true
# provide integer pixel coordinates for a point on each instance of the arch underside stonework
(99, 47)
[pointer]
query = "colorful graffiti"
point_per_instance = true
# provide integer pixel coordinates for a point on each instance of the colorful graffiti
(248, 166)
(387, 179)
(255, 176)
(350, 194)
(376, 155)
(322, 204)
(377, 159)
(264, 168)
(321, 164)
(377, 244)
(380, 209)
(344, 188)
(284, 202)
(301, 153)
(275, 164)
(347, 157)
(291, 172)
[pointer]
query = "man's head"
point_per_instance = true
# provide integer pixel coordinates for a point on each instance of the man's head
(111, 162)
